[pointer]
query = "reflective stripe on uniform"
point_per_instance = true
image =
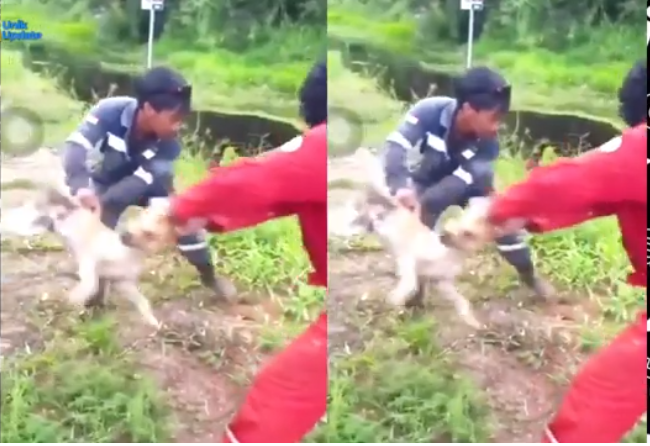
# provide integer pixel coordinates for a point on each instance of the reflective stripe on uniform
(514, 247)
(193, 247)
(230, 436)
(549, 435)
(79, 138)
(116, 143)
(436, 143)
(399, 139)
(464, 175)
(145, 176)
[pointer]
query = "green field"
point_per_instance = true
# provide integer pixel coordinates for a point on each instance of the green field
(419, 378)
(582, 78)
(107, 378)
(265, 80)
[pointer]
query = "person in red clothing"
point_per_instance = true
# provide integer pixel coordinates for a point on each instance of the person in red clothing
(289, 395)
(608, 395)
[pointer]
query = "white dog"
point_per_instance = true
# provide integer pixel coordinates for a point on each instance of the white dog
(104, 256)
(419, 252)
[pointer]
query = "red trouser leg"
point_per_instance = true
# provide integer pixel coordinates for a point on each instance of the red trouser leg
(289, 395)
(608, 396)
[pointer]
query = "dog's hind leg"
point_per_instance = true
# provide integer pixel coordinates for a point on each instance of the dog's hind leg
(88, 284)
(407, 286)
(417, 300)
(131, 292)
(463, 306)
(99, 298)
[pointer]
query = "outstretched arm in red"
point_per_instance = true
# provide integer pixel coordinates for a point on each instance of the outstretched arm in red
(270, 184)
(576, 189)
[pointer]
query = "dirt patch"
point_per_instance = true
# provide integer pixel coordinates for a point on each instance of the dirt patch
(202, 400)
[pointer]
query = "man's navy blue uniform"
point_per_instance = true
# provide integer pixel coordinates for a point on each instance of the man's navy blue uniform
(445, 150)
(125, 149)
(141, 169)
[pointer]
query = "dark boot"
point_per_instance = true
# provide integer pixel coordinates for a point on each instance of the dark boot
(542, 288)
(517, 253)
(223, 288)
(196, 251)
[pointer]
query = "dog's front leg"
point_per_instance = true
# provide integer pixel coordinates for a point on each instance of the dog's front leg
(131, 292)
(463, 307)
(88, 285)
(407, 285)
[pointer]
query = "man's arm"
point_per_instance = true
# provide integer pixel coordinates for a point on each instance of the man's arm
(84, 139)
(406, 139)
(157, 167)
(586, 185)
(269, 183)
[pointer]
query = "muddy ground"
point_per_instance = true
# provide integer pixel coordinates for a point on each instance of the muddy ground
(521, 359)
(203, 357)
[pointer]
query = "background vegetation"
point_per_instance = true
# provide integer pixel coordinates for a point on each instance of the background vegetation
(582, 46)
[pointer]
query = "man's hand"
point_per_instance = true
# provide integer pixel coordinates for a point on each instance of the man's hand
(164, 206)
(88, 199)
(502, 226)
(407, 198)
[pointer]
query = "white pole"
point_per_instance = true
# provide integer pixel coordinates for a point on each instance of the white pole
(470, 37)
(152, 22)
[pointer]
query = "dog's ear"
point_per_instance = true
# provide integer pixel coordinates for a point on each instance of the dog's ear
(57, 198)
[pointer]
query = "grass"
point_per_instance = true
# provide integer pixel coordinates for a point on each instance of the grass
(78, 381)
(389, 392)
(263, 79)
(398, 378)
(81, 387)
(582, 80)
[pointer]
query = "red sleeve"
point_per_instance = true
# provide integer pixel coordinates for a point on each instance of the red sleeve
(268, 184)
(576, 189)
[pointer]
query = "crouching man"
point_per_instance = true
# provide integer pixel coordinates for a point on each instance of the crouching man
(123, 152)
(443, 153)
